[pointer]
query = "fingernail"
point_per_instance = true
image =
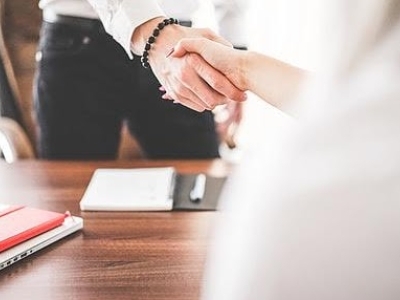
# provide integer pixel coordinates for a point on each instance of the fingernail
(170, 52)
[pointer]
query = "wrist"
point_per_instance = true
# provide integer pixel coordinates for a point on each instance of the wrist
(245, 67)
(142, 33)
(160, 43)
(167, 39)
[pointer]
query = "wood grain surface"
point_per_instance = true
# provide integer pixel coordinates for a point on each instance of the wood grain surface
(118, 255)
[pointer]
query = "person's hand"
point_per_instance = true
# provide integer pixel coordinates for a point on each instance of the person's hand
(188, 80)
(272, 80)
(227, 120)
(230, 62)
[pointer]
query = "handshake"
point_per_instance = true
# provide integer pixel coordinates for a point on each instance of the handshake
(199, 69)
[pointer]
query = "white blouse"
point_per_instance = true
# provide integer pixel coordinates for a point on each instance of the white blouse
(316, 213)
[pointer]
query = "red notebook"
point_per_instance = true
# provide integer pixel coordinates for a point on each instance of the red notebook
(20, 223)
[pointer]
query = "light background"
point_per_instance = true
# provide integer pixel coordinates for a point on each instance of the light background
(284, 29)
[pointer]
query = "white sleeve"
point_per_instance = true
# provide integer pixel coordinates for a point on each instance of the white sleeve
(121, 17)
(183, 11)
(317, 216)
(231, 18)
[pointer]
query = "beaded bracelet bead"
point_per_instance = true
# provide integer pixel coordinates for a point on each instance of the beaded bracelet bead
(151, 40)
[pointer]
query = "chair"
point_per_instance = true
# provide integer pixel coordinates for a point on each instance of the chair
(14, 141)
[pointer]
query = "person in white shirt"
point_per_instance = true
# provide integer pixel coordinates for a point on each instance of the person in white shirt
(316, 215)
(86, 86)
(132, 22)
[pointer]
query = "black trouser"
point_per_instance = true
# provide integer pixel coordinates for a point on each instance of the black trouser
(86, 86)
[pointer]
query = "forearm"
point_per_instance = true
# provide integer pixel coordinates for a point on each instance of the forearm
(193, 83)
(274, 81)
(121, 18)
(142, 33)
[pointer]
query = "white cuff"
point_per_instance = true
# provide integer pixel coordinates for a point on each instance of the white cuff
(130, 15)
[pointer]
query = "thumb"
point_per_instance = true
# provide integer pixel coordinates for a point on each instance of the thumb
(220, 40)
(197, 45)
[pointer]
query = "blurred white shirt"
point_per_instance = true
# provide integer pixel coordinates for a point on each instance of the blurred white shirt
(121, 17)
(82, 8)
(316, 214)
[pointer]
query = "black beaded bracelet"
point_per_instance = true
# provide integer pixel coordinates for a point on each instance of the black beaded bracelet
(151, 40)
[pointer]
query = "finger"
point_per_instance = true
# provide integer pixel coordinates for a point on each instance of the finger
(185, 97)
(186, 103)
(204, 47)
(236, 111)
(205, 93)
(211, 35)
(215, 79)
(239, 112)
(190, 104)
(221, 41)
(190, 45)
(189, 85)
(166, 96)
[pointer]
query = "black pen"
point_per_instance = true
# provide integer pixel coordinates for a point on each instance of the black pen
(199, 188)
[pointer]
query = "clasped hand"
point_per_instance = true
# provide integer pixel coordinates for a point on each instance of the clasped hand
(187, 78)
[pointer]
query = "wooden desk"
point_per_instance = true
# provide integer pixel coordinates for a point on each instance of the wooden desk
(135, 255)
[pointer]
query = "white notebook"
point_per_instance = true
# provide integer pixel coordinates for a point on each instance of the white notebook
(138, 189)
